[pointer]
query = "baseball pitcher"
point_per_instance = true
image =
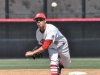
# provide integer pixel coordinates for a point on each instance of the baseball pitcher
(50, 38)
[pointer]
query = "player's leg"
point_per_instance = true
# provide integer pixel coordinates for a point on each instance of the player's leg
(53, 54)
(65, 57)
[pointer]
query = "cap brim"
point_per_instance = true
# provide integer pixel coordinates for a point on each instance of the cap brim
(38, 17)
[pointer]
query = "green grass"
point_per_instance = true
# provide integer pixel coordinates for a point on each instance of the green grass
(24, 64)
(85, 63)
(77, 63)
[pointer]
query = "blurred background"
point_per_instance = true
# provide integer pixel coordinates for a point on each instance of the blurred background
(17, 37)
(64, 8)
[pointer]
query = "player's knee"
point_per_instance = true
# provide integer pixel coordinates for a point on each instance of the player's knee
(67, 65)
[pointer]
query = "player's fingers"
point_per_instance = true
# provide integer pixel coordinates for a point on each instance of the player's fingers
(29, 53)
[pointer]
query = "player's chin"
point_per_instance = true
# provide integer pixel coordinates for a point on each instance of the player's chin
(40, 26)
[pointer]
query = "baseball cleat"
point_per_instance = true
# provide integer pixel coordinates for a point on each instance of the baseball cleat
(59, 69)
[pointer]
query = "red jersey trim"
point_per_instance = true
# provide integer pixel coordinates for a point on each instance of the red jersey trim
(46, 44)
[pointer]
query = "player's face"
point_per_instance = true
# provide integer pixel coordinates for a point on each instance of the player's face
(40, 22)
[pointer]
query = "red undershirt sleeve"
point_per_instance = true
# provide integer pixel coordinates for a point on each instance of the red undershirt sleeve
(46, 44)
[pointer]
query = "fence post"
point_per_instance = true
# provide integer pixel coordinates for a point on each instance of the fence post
(83, 9)
(6, 8)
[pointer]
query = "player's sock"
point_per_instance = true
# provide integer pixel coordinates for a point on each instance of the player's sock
(54, 70)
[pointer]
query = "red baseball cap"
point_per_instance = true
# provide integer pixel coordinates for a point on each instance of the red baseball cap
(40, 15)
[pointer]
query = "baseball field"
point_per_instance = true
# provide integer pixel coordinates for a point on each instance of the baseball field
(29, 66)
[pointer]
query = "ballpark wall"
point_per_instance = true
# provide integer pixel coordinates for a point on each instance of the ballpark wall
(18, 37)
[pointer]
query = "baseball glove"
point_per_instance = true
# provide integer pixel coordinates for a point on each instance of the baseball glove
(38, 55)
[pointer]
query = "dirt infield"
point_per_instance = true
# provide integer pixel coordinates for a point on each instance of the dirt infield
(47, 71)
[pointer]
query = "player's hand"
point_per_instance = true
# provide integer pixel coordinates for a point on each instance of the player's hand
(29, 53)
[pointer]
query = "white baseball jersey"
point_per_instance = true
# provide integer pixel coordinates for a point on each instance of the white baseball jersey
(52, 33)
(59, 44)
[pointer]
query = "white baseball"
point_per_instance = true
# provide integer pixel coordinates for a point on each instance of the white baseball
(54, 4)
